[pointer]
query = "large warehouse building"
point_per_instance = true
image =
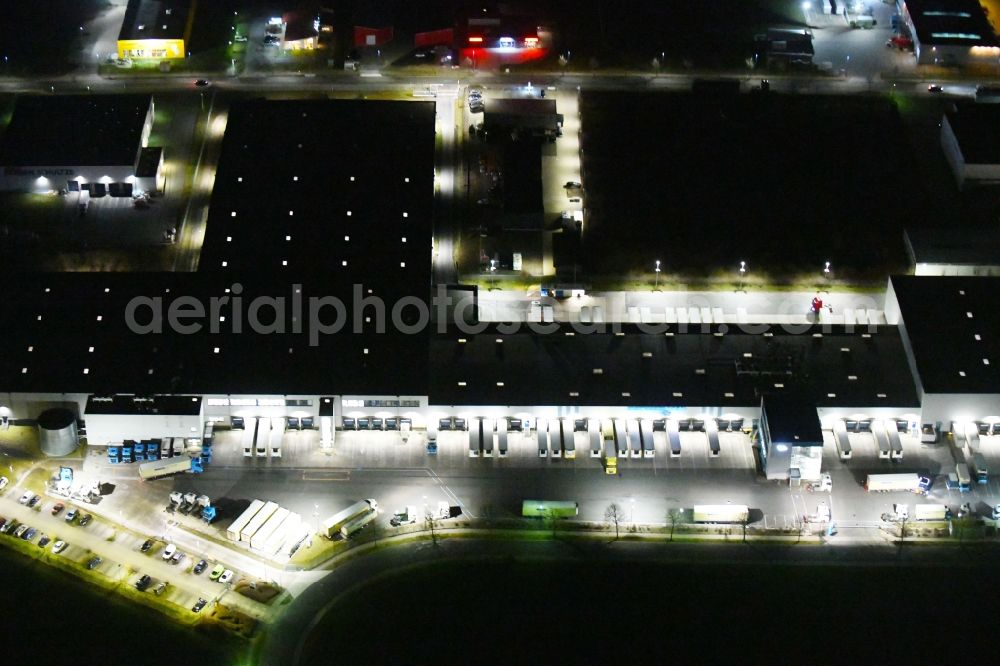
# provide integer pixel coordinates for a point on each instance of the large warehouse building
(311, 305)
(92, 143)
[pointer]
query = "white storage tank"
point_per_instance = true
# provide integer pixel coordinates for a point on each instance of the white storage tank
(57, 432)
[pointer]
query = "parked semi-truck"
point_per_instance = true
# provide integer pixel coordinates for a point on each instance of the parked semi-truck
(883, 483)
(721, 513)
(353, 526)
(331, 526)
(165, 467)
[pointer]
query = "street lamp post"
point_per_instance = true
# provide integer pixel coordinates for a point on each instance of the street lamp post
(827, 276)
(631, 512)
(743, 272)
(656, 282)
(493, 270)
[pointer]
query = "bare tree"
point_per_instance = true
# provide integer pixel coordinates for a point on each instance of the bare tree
(429, 524)
(613, 514)
(673, 517)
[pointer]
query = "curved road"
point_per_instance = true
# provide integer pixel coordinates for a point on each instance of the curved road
(282, 644)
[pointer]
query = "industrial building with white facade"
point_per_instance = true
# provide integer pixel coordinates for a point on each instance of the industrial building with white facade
(361, 228)
(95, 145)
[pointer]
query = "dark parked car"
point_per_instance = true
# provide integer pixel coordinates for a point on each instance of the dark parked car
(85, 518)
(143, 583)
(94, 562)
(198, 568)
(44, 541)
(30, 534)
(34, 501)
(146, 545)
(199, 605)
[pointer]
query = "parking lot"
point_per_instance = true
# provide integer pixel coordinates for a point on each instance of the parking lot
(110, 550)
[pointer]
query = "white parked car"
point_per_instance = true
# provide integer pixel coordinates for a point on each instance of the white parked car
(26, 497)
(226, 576)
(169, 551)
(3, 482)
(59, 546)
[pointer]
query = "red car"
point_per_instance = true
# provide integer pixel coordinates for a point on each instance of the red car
(900, 42)
(57, 509)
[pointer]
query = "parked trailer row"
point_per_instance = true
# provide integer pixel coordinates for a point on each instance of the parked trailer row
(283, 533)
(260, 537)
(234, 530)
(258, 521)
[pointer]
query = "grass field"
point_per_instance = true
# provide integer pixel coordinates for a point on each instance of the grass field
(513, 611)
(784, 183)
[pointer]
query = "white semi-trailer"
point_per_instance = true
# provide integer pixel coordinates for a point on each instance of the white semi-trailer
(331, 526)
(249, 432)
(883, 483)
(233, 531)
(164, 467)
(288, 526)
(721, 513)
(258, 521)
(930, 512)
(352, 527)
(263, 437)
(260, 537)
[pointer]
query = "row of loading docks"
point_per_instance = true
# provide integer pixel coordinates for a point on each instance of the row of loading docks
(376, 423)
(262, 437)
(556, 438)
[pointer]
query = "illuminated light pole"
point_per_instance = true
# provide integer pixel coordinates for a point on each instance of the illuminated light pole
(827, 275)
(656, 280)
(493, 270)
(743, 272)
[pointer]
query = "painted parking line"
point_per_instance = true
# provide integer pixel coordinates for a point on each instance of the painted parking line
(320, 475)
